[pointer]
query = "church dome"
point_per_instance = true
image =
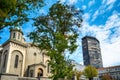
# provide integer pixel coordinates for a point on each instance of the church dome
(16, 28)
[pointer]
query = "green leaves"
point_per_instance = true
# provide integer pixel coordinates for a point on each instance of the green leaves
(90, 72)
(13, 12)
(56, 32)
(6, 6)
(78, 74)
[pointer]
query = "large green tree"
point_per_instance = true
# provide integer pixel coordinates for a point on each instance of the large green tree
(90, 72)
(57, 32)
(14, 11)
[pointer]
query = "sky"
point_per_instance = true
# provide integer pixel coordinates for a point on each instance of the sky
(101, 19)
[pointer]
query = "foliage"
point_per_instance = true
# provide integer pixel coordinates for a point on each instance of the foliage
(90, 72)
(14, 11)
(78, 74)
(57, 32)
(6, 6)
(107, 77)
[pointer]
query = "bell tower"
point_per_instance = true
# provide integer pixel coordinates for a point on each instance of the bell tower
(14, 52)
(16, 34)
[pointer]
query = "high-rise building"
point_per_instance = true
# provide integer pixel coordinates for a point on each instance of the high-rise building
(91, 52)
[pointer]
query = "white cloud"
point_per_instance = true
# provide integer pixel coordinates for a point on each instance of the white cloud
(103, 1)
(91, 3)
(72, 2)
(109, 37)
(84, 7)
(110, 2)
(62, 1)
(86, 16)
(106, 5)
(42, 11)
(95, 15)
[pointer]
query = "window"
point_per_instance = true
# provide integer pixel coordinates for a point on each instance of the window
(14, 35)
(43, 57)
(16, 61)
(5, 57)
(18, 35)
(31, 73)
(48, 68)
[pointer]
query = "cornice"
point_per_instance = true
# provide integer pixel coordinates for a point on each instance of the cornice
(16, 42)
(37, 65)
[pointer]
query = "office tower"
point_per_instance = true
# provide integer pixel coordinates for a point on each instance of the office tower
(91, 52)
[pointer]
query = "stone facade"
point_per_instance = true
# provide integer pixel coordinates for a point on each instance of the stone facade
(21, 58)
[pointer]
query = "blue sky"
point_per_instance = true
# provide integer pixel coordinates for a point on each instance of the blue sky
(101, 20)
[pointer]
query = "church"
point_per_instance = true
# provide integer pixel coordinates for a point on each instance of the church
(22, 58)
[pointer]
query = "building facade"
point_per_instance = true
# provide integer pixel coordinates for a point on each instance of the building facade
(22, 58)
(91, 52)
(80, 68)
(113, 72)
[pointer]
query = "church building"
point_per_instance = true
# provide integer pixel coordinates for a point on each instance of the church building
(22, 58)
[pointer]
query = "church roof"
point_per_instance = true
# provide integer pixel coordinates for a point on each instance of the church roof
(14, 41)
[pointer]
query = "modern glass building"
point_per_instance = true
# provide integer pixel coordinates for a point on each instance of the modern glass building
(91, 52)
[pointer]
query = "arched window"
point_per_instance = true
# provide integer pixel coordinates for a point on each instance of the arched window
(5, 59)
(18, 35)
(48, 68)
(31, 73)
(14, 35)
(16, 61)
(43, 57)
(40, 72)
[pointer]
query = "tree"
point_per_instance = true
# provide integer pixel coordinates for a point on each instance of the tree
(107, 77)
(57, 32)
(14, 11)
(78, 74)
(90, 72)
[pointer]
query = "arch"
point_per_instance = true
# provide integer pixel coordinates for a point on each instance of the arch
(17, 51)
(16, 62)
(40, 72)
(5, 51)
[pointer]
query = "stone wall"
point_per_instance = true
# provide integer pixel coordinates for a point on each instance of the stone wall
(26, 78)
(15, 77)
(8, 77)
